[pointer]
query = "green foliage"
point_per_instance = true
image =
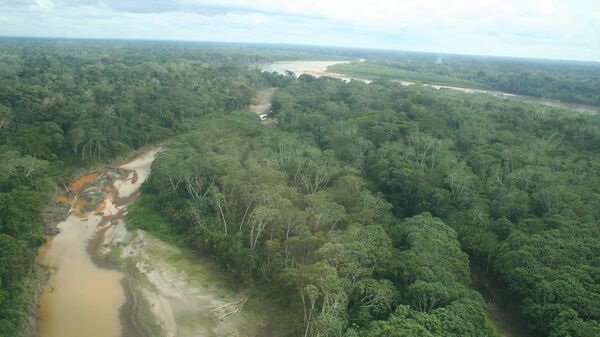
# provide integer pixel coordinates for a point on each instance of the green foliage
(279, 211)
(68, 105)
(142, 215)
(274, 209)
(566, 81)
(517, 183)
(357, 212)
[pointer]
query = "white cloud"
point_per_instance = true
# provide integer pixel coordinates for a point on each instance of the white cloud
(538, 28)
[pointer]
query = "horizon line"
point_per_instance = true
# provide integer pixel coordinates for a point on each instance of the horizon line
(287, 44)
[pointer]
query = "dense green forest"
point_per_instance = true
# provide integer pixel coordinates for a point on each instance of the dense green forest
(518, 183)
(65, 105)
(568, 81)
(277, 210)
(363, 209)
(358, 205)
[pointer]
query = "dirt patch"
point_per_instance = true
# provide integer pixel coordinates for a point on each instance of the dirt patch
(62, 198)
(261, 103)
(79, 183)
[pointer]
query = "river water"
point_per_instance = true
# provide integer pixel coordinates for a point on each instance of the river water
(319, 68)
(82, 299)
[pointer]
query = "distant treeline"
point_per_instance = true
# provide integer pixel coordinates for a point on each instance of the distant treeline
(568, 81)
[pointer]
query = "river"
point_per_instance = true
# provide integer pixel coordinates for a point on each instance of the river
(152, 289)
(80, 298)
(319, 69)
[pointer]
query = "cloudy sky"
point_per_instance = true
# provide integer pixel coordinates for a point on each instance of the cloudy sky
(566, 29)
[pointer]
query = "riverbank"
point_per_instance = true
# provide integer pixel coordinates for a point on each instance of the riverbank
(130, 283)
(77, 287)
(322, 69)
(177, 292)
(57, 211)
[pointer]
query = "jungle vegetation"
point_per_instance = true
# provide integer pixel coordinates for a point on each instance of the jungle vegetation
(67, 105)
(368, 203)
(567, 81)
(518, 183)
(363, 209)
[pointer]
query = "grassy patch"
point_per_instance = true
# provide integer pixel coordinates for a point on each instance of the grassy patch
(489, 324)
(379, 72)
(142, 215)
(115, 254)
(196, 268)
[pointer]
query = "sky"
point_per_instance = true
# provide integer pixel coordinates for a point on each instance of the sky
(559, 29)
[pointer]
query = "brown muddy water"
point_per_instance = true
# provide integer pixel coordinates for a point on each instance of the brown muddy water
(80, 298)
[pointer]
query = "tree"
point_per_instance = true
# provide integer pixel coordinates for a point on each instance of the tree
(324, 214)
(357, 251)
(405, 322)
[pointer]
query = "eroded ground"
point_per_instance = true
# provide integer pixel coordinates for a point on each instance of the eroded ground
(261, 102)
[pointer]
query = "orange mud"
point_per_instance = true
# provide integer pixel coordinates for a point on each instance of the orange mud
(77, 205)
(79, 183)
(100, 208)
(62, 198)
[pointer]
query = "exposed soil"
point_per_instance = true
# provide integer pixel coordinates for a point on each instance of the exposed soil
(261, 103)
(81, 182)
(313, 68)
